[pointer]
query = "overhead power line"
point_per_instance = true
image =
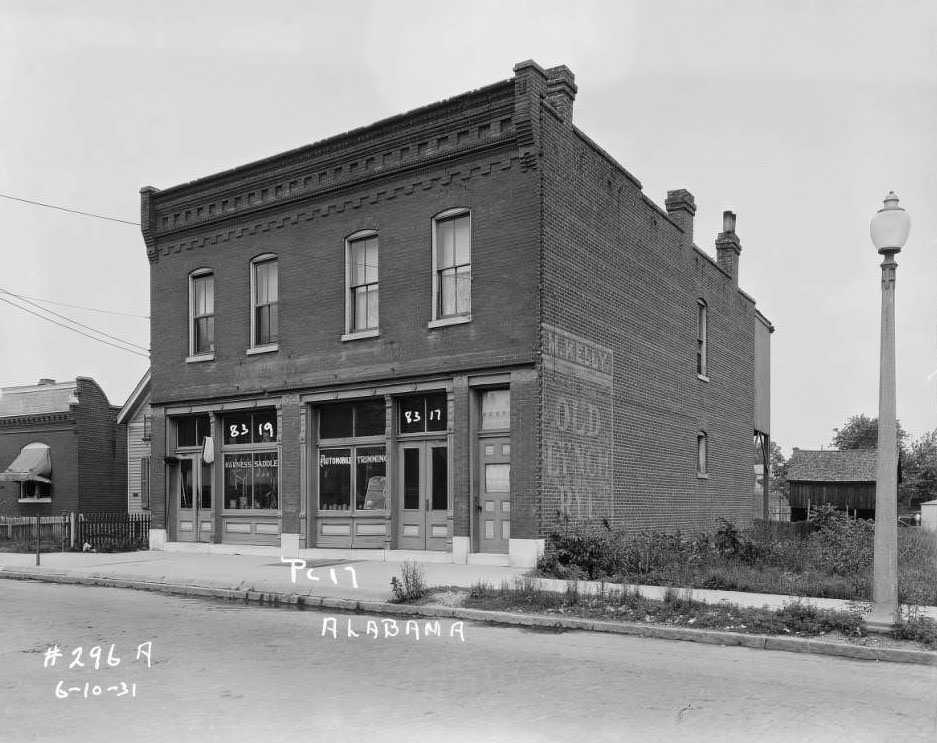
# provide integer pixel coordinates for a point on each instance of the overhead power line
(77, 306)
(72, 211)
(76, 330)
(73, 322)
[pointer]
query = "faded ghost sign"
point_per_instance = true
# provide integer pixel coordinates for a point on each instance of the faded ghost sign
(578, 414)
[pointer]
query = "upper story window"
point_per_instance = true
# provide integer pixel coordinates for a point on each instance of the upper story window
(702, 454)
(702, 322)
(201, 313)
(452, 266)
(361, 304)
(265, 321)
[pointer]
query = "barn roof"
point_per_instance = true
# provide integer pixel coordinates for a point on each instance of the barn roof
(831, 465)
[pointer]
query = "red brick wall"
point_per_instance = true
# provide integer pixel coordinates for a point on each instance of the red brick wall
(61, 439)
(312, 285)
(616, 274)
(102, 459)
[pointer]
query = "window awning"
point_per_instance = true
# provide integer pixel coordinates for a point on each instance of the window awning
(33, 463)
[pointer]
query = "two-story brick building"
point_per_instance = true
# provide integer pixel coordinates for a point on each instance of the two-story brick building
(442, 332)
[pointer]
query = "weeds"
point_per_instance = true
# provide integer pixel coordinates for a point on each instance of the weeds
(411, 586)
(917, 628)
(830, 557)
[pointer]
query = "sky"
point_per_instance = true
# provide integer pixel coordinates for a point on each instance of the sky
(799, 116)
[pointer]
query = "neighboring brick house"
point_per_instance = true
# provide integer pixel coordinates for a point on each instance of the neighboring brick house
(60, 450)
(136, 418)
(845, 479)
(444, 332)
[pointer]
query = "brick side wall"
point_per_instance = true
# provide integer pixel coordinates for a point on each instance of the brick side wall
(102, 451)
(618, 277)
(62, 440)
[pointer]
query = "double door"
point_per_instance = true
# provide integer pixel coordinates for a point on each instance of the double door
(423, 495)
(194, 512)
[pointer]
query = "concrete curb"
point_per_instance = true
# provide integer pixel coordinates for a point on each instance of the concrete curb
(559, 624)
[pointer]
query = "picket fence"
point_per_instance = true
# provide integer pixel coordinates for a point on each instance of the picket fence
(111, 531)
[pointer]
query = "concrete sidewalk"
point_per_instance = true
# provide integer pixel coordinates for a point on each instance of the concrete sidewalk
(350, 585)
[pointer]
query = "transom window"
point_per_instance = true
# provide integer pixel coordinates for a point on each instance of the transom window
(422, 413)
(201, 313)
(452, 265)
(191, 430)
(265, 320)
(361, 272)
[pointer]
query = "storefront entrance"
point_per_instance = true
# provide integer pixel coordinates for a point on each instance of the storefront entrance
(494, 490)
(194, 521)
(423, 495)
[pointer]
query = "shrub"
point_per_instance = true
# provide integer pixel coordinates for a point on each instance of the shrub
(914, 626)
(411, 586)
(577, 550)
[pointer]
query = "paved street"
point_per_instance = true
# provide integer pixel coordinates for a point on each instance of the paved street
(220, 671)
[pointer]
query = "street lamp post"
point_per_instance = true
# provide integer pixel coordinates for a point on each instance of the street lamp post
(889, 228)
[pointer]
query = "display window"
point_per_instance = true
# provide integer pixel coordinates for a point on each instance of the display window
(250, 481)
(352, 464)
(251, 465)
(353, 478)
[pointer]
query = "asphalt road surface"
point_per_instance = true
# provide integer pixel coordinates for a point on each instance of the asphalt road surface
(134, 666)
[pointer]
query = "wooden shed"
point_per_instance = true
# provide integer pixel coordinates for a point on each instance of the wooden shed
(845, 479)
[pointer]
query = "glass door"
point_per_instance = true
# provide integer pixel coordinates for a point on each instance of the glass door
(195, 522)
(423, 496)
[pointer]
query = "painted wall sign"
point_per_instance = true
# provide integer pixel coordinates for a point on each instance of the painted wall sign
(579, 437)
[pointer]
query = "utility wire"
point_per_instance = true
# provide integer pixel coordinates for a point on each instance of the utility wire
(73, 211)
(76, 306)
(74, 322)
(75, 330)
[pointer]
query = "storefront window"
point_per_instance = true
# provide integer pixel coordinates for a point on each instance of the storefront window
(352, 477)
(370, 480)
(250, 480)
(422, 413)
(338, 479)
(335, 479)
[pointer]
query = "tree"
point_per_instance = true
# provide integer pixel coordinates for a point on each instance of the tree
(919, 467)
(861, 432)
(779, 468)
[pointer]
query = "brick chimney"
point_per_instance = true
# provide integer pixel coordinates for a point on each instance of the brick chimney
(561, 91)
(681, 206)
(728, 247)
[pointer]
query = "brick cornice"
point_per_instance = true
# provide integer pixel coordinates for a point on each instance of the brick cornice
(39, 419)
(301, 210)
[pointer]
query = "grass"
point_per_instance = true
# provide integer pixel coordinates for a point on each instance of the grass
(411, 586)
(833, 561)
(678, 608)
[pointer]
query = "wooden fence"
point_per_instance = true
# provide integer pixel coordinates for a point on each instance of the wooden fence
(115, 531)
(111, 531)
(781, 530)
(54, 531)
